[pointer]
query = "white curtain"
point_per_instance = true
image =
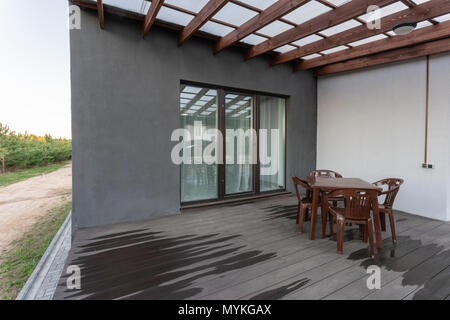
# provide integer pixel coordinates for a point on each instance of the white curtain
(272, 116)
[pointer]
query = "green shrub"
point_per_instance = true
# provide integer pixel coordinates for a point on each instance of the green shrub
(25, 150)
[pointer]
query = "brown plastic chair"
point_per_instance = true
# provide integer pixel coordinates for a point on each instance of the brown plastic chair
(304, 203)
(393, 186)
(322, 173)
(325, 174)
(358, 204)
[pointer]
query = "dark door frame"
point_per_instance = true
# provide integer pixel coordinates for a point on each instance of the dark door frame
(221, 176)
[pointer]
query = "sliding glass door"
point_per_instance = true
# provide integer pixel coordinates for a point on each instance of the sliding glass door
(239, 143)
(244, 133)
(272, 115)
(198, 111)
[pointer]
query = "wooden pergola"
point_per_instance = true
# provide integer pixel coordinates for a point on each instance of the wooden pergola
(333, 39)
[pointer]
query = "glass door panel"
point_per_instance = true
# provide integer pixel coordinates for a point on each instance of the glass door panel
(198, 109)
(239, 143)
(272, 137)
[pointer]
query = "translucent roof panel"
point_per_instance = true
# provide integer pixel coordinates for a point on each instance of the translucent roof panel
(285, 48)
(423, 24)
(234, 14)
(260, 4)
(174, 16)
(216, 29)
(385, 11)
(368, 40)
(340, 27)
(339, 2)
(253, 39)
(275, 28)
(311, 56)
(335, 49)
(307, 40)
(137, 6)
(307, 12)
(443, 18)
(190, 5)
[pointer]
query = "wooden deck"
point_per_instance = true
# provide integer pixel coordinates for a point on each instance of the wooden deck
(253, 251)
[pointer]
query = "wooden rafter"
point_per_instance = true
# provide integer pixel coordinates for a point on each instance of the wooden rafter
(408, 3)
(418, 13)
(209, 10)
(151, 15)
(272, 13)
(430, 33)
(101, 14)
(411, 4)
(340, 14)
(426, 11)
(416, 51)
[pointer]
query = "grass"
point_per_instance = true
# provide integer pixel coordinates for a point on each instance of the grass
(17, 264)
(22, 174)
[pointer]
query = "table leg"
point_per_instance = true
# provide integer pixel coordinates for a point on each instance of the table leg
(377, 224)
(315, 203)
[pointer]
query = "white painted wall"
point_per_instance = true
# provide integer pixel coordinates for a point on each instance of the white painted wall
(371, 124)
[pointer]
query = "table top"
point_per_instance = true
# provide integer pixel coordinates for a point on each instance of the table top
(340, 183)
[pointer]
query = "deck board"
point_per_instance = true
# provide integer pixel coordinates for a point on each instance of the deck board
(254, 251)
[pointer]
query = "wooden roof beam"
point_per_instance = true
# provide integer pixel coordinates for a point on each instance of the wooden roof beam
(416, 51)
(101, 14)
(272, 13)
(418, 13)
(151, 15)
(430, 33)
(411, 4)
(408, 3)
(208, 11)
(341, 14)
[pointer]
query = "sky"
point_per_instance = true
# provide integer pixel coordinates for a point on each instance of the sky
(35, 67)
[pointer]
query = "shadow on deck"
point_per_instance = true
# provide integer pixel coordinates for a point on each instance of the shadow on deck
(254, 251)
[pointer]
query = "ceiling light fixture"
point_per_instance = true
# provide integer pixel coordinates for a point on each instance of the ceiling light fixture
(404, 28)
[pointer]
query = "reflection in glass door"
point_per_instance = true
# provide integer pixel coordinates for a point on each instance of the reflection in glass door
(251, 164)
(239, 143)
(198, 180)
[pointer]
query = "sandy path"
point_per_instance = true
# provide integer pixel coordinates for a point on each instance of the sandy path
(23, 203)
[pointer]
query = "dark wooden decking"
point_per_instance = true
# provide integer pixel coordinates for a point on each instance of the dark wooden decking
(253, 251)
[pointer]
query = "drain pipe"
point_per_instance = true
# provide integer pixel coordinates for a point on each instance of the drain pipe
(425, 164)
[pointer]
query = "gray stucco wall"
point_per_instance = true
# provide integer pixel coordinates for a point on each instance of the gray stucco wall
(125, 105)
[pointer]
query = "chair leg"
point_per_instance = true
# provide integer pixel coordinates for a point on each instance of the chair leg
(366, 233)
(324, 223)
(340, 235)
(391, 220)
(330, 216)
(298, 213)
(383, 221)
(361, 232)
(370, 232)
(301, 218)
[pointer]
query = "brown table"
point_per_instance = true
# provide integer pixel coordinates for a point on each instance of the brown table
(319, 184)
